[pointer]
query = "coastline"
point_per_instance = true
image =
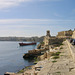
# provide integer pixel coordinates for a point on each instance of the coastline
(63, 65)
(36, 68)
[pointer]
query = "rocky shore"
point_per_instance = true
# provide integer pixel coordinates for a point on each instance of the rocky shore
(60, 62)
(54, 56)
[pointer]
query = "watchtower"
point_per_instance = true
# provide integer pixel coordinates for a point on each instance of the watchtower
(48, 33)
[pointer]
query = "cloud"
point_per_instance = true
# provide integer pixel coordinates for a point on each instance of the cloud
(33, 27)
(11, 3)
(33, 21)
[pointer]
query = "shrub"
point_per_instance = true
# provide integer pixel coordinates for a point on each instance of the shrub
(21, 71)
(42, 43)
(61, 47)
(55, 57)
(61, 55)
(58, 72)
(56, 54)
(54, 61)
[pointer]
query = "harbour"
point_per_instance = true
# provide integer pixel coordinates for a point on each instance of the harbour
(11, 56)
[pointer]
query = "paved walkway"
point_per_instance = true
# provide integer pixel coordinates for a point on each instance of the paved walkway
(63, 66)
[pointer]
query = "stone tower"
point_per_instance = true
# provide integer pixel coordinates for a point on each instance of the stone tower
(48, 33)
(47, 37)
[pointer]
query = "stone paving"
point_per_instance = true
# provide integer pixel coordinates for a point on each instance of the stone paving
(63, 66)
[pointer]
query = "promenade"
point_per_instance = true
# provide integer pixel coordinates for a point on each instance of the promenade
(63, 66)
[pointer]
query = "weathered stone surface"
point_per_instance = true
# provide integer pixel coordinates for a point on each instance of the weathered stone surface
(73, 36)
(33, 53)
(8, 73)
(63, 66)
(46, 38)
(65, 34)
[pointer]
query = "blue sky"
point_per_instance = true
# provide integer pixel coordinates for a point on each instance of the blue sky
(26, 18)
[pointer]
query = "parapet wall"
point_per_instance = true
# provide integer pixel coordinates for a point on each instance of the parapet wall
(72, 49)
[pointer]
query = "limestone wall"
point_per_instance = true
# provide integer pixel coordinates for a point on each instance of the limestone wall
(36, 51)
(45, 55)
(65, 34)
(46, 40)
(42, 57)
(61, 33)
(72, 50)
(73, 36)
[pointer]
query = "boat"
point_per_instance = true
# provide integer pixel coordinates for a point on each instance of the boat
(25, 44)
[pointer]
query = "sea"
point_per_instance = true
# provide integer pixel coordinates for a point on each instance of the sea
(11, 56)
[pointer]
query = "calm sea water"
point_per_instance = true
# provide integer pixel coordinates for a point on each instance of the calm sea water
(11, 56)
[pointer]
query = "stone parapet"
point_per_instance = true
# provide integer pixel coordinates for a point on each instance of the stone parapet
(72, 49)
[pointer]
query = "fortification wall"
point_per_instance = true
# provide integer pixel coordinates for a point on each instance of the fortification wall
(73, 36)
(65, 34)
(72, 49)
(36, 51)
(61, 33)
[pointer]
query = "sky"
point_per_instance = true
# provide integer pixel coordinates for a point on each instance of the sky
(27, 18)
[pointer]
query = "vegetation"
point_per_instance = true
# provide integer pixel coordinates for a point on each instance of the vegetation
(21, 71)
(35, 60)
(56, 54)
(55, 57)
(70, 30)
(54, 61)
(61, 55)
(27, 67)
(42, 43)
(61, 47)
(58, 72)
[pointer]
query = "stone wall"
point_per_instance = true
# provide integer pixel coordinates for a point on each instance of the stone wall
(46, 40)
(36, 51)
(73, 36)
(45, 55)
(65, 34)
(61, 33)
(72, 49)
(42, 57)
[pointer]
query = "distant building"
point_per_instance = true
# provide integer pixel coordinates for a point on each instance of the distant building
(65, 34)
(51, 40)
(47, 38)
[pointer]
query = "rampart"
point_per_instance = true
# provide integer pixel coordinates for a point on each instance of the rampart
(72, 49)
